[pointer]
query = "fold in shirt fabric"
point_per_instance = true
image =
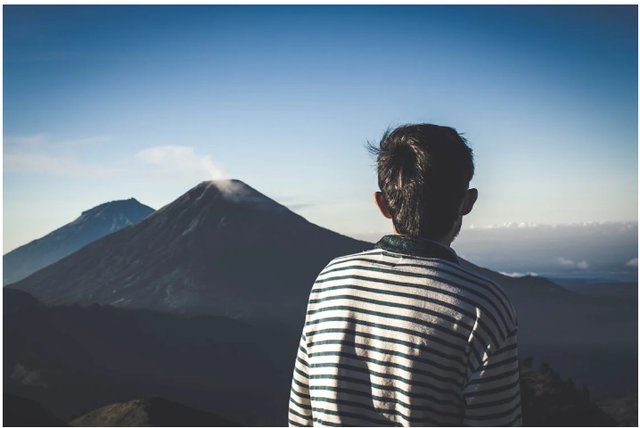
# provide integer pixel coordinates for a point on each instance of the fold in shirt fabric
(402, 335)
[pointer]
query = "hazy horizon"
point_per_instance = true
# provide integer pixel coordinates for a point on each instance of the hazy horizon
(587, 251)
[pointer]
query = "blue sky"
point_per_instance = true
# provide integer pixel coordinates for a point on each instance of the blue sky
(112, 102)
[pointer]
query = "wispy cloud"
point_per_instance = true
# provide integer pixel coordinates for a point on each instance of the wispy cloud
(85, 142)
(31, 140)
(40, 154)
(43, 141)
(632, 262)
(41, 163)
(182, 160)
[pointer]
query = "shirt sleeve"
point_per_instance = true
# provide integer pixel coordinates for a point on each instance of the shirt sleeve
(299, 401)
(492, 393)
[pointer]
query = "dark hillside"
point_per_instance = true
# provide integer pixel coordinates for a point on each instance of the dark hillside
(622, 409)
(21, 412)
(152, 412)
(70, 359)
(548, 400)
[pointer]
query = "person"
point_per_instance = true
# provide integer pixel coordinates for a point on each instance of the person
(402, 334)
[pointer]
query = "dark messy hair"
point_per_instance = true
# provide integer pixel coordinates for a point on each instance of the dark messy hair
(423, 173)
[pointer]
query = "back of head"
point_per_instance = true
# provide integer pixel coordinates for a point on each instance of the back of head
(423, 173)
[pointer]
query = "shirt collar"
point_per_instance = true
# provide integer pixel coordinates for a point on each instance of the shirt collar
(420, 247)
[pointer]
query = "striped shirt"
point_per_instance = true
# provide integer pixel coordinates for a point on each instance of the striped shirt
(402, 335)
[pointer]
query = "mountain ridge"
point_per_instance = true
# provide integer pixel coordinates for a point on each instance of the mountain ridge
(91, 225)
(222, 248)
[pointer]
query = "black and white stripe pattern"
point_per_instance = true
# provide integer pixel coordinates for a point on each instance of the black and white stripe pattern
(404, 340)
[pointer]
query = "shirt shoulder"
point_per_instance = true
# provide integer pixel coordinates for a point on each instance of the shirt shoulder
(491, 284)
(456, 277)
(489, 290)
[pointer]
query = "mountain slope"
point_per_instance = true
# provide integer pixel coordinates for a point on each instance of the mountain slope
(222, 248)
(152, 412)
(92, 224)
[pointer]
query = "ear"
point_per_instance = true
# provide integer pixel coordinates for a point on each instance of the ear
(470, 198)
(382, 204)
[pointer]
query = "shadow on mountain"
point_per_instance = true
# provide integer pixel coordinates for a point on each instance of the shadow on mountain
(22, 412)
(153, 412)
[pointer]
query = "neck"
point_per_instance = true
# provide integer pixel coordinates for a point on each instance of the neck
(445, 240)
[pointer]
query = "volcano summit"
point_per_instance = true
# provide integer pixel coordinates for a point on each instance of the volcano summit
(222, 248)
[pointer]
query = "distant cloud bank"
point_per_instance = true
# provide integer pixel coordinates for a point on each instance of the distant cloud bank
(518, 274)
(588, 249)
(624, 226)
(565, 262)
(505, 226)
(581, 265)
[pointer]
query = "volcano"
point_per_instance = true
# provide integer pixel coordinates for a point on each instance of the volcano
(222, 248)
(92, 224)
